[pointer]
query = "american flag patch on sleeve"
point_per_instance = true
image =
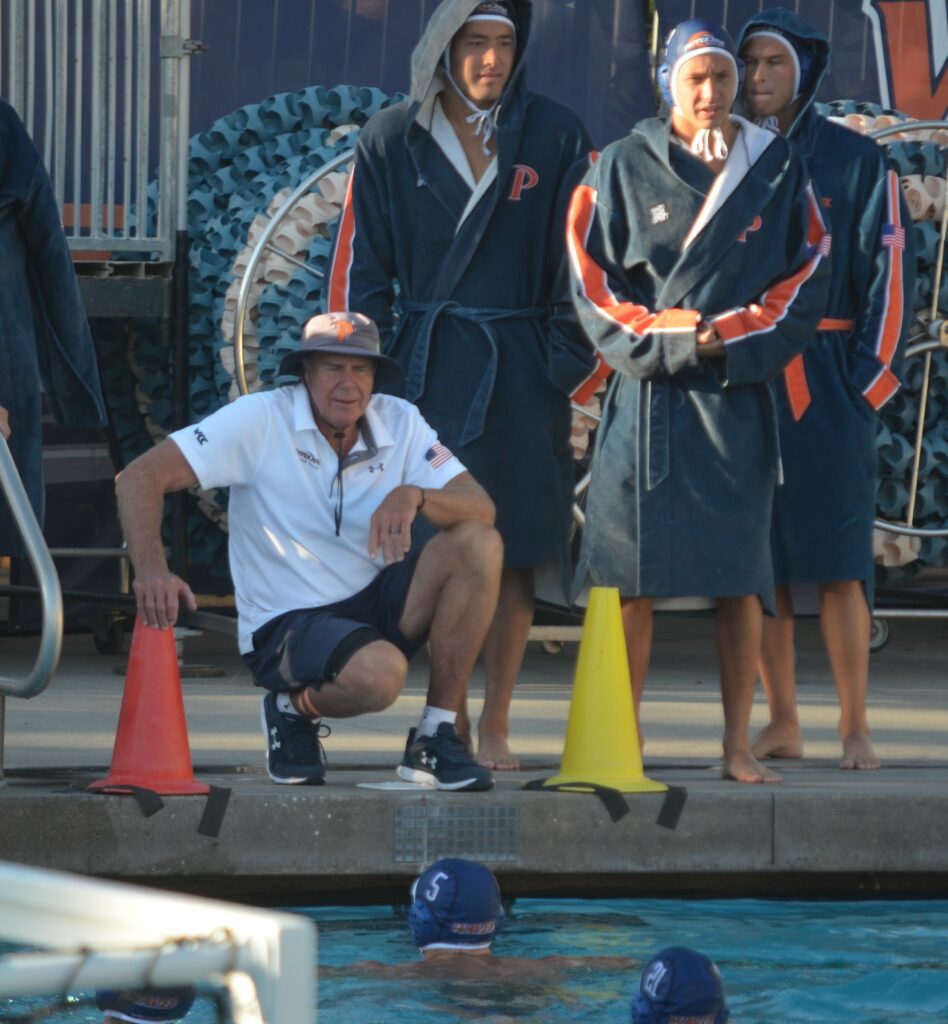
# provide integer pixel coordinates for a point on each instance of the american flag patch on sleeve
(438, 455)
(893, 236)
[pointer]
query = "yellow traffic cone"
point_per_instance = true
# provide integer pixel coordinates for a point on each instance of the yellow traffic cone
(602, 740)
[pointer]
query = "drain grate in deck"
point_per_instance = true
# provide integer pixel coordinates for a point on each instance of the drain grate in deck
(424, 833)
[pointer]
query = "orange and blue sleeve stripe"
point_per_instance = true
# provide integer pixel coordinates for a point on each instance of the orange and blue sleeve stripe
(341, 268)
(631, 318)
(763, 316)
(885, 384)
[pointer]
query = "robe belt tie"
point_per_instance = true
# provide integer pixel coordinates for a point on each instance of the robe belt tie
(484, 318)
(798, 391)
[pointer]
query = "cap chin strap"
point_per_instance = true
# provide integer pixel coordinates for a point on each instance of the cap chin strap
(484, 122)
(769, 123)
(709, 144)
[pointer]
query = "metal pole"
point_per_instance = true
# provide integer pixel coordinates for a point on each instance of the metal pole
(77, 121)
(15, 55)
(49, 63)
(62, 96)
(142, 113)
(97, 147)
(30, 68)
(168, 114)
(178, 168)
(111, 41)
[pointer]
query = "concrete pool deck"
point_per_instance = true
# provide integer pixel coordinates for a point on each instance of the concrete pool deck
(822, 832)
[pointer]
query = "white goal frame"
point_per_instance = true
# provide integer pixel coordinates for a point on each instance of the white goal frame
(97, 934)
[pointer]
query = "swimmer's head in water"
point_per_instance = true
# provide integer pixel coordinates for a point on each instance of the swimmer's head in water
(157, 1006)
(680, 986)
(455, 905)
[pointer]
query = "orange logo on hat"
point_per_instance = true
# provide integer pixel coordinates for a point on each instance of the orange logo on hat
(344, 329)
(702, 39)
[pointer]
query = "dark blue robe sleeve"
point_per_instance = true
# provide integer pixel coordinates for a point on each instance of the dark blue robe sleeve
(362, 266)
(64, 348)
(881, 275)
(573, 364)
(629, 336)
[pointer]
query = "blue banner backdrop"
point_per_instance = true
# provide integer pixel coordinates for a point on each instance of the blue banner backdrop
(590, 54)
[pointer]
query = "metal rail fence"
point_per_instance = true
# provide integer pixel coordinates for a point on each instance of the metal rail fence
(102, 86)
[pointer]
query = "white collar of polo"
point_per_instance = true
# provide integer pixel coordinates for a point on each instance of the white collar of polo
(373, 437)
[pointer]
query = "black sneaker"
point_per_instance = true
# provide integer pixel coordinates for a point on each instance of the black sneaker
(294, 754)
(442, 761)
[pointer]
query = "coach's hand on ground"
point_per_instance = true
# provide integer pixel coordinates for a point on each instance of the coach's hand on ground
(390, 526)
(159, 595)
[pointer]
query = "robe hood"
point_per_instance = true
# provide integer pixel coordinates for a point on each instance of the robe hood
(443, 26)
(790, 24)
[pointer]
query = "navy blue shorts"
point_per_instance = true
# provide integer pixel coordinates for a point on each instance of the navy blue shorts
(310, 646)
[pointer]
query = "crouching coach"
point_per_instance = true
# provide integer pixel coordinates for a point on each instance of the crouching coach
(355, 537)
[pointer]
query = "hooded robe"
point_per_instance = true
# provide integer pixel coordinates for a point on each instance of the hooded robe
(44, 335)
(686, 456)
(828, 400)
(481, 322)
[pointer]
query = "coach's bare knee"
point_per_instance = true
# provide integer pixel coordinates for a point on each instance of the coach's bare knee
(378, 672)
(476, 546)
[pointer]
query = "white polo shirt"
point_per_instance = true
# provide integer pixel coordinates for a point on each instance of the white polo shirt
(281, 471)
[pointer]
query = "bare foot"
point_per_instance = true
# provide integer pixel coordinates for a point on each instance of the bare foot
(858, 754)
(778, 741)
(742, 766)
(493, 752)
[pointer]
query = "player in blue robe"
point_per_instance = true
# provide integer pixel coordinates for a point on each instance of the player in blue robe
(828, 400)
(697, 254)
(458, 197)
(46, 346)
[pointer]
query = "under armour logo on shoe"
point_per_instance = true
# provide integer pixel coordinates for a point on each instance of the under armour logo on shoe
(275, 744)
(429, 762)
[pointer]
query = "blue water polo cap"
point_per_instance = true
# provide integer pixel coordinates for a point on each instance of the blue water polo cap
(693, 38)
(455, 905)
(680, 985)
(157, 1006)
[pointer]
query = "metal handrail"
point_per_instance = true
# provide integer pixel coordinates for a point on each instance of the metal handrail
(51, 639)
(259, 249)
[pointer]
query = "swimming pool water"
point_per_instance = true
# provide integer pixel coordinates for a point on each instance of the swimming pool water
(874, 962)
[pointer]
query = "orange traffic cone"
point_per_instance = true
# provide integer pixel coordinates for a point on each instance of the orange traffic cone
(151, 745)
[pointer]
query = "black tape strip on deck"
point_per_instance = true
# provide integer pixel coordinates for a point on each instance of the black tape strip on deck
(149, 802)
(613, 801)
(214, 810)
(672, 806)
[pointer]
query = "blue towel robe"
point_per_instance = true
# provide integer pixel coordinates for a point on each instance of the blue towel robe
(827, 404)
(484, 329)
(686, 456)
(44, 335)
